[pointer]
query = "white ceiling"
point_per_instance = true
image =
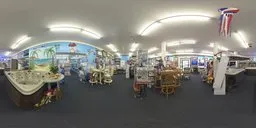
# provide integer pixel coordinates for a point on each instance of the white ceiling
(120, 21)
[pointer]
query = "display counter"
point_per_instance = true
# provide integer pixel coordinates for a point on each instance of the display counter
(251, 71)
(1, 71)
(234, 77)
(26, 88)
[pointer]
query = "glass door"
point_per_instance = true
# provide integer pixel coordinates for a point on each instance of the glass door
(185, 64)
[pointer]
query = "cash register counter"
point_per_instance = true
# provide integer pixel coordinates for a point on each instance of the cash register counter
(26, 88)
(234, 77)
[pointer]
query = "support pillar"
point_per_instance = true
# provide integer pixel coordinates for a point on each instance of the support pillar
(163, 52)
(215, 61)
(219, 69)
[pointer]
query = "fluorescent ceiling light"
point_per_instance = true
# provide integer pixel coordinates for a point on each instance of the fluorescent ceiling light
(112, 47)
(118, 54)
(175, 18)
(192, 53)
(73, 28)
(65, 28)
(159, 54)
(152, 56)
(152, 49)
(222, 48)
(7, 53)
(130, 54)
(187, 42)
(171, 44)
(150, 28)
(91, 34)
(184, 51)
(241, 38)
(20, 41)
(134, 47)
(205, 51)
(211, 45)
(182, 18)
(181, 42)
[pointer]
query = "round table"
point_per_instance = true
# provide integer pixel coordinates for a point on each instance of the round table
(50, 80)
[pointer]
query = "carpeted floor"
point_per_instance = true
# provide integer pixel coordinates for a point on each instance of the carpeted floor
(193, 106)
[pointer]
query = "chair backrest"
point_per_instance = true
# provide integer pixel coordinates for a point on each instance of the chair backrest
(141, 74)
(186, 70)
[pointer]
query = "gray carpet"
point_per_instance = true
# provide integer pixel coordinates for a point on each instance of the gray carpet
(193, 106)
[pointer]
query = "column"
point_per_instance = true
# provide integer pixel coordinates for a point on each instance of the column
(163, 52)
(215, 61)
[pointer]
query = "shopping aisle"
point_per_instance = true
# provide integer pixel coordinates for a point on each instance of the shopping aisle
(193, 106)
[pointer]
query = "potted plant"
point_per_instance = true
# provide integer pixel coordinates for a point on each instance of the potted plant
(53, 69)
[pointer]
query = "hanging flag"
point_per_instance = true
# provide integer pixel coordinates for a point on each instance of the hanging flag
(226, 19)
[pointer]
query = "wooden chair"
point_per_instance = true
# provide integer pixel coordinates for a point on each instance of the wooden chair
(168, 82)
(186, 73)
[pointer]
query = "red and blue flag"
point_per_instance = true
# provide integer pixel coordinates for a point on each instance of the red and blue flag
(226, 19)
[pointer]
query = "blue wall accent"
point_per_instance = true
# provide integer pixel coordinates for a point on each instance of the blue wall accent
(124, 58)
(63, 47)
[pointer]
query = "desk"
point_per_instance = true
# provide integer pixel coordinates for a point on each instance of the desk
(250, 71)
(233, 78)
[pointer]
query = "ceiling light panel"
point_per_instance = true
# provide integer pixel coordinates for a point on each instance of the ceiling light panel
(20, 41)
